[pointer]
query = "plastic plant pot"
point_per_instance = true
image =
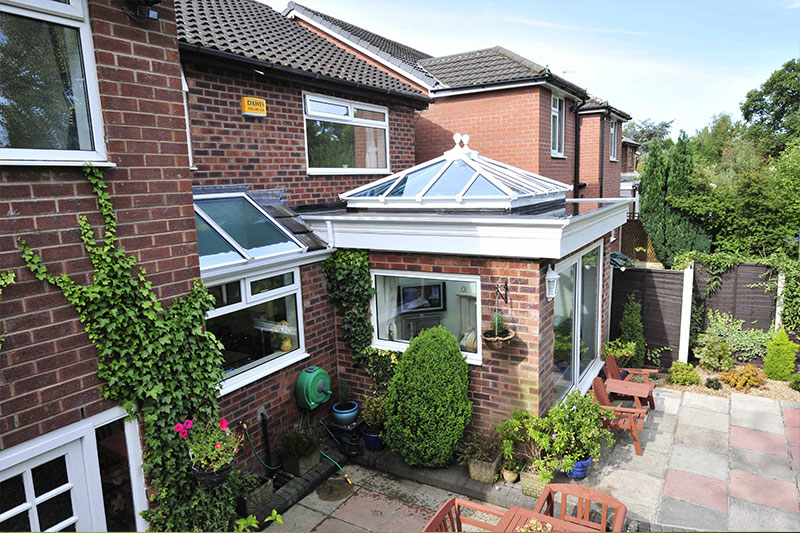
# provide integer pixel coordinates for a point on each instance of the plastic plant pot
(579, 469)
(372, 441)
(345, 413)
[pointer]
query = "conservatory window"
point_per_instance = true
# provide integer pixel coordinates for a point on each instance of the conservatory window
(49, 97)
(557, 127)
(344, 137)
(406, 303)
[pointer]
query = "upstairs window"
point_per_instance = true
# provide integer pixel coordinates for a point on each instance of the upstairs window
(557, 127)
(345, 137)
(614, 140)
(49, 97)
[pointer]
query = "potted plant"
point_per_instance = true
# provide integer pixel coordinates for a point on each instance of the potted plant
(374, 415)
(284, 331)
(212, 448)
(511, 469)
(498, 332)
(481, 454)
(299, 450)
(345, 411)
(528, 438)
(576, 425)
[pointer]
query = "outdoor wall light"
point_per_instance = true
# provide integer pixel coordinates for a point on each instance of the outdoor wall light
(550, 283)
(142, 10)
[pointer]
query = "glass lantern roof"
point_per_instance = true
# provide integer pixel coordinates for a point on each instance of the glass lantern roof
(461, 178)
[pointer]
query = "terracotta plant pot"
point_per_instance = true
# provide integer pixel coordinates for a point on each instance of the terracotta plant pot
(484, 471)
(510, 476)
(532, 484)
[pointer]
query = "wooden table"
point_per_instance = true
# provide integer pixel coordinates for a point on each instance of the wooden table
(517, 517)
(639, 391)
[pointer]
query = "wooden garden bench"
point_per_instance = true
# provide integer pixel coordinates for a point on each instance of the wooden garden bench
(451, 518)
(584, 515)
(635, 391)
(628, 419)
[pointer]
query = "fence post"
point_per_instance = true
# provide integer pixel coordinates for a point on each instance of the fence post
(686, 313)
(779, 301)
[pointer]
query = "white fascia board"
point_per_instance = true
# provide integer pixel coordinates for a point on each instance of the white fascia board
(226, 273)
(587, 228)
(442, 93)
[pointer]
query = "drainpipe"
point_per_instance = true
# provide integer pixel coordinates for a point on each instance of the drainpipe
(602, 150)
(576, 181)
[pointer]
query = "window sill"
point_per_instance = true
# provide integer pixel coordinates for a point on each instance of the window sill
(347, 171)
(613, 160)
(47, 163)
(471, 358)
(261, 371)
(558, 156)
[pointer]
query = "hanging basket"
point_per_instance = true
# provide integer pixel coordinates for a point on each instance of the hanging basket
(492, 338)
(212, 479)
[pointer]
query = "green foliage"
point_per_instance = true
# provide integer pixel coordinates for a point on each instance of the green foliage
(380, 365)
(713, 384)
(373, 411)
(210, 446)
(653, 198)
(345, 392)
(780, 361)
(795, 382)
(632, 330)
(427, 407)
(714, 353)
(6, 279)
(498, 324)
(746, 344)
(744, 378)
(160, 364)
(647, 132)
(623, 352)
(711, 143)
(654, 355)
(250, 523)
(527, 437)
(478, 446)
(682, 373)
(773, 110)
(576, 425)
(350, 290)
(514, 465)
(298, 442)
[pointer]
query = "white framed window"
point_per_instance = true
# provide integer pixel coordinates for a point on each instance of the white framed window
(614, 139)
(259, 320)
(345, 137)
(49, 97)
(405, 303)
(557, 126)
(185, 92)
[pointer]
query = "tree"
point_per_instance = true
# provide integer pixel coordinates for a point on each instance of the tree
(710, 143)
(773, 110)
(646, 133)
(653, 202)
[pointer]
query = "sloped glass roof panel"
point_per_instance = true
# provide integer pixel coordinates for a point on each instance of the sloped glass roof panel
(414, 182)
(248, 226)
(375, 191)
(452, 181)
(483, 187)
(214, 250)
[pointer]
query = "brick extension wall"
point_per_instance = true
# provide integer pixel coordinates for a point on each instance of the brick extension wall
(270, 152)
(590, 158)
(47, 365)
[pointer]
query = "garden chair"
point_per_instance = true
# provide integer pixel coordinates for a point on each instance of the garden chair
(614, 372)
(451, 518)
(625, 418)
(624, 387)
(584, 515)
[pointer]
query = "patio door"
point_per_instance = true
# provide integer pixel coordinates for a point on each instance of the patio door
(576, 324)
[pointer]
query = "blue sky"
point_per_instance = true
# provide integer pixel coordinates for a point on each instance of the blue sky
(664, 60)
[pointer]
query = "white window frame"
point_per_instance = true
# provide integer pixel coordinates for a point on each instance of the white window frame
(185, 92)
(614, 139)
(73, 15)
(276, 364)
(558, 106)
(349, 119)
(401, 346)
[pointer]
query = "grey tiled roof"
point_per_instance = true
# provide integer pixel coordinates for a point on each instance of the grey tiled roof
(398, 54)
(596, 104)
(256, 31)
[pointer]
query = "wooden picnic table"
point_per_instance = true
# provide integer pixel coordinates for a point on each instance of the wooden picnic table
(516, 517)
(638, 391)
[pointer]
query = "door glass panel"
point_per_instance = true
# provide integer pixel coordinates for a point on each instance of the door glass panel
(12, 494)
(49, 476)
(589, 293)
(55, 510)
(112, 454)
(563, 320)
(18, 522)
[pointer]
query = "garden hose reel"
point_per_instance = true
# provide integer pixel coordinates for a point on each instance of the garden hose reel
(313, 387)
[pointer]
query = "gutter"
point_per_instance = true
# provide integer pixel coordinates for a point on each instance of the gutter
(224, 59)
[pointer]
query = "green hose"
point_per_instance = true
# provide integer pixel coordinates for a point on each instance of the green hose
(256, 453)
(340, 468)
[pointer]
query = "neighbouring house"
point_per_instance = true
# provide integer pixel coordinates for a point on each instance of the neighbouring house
(629, 178)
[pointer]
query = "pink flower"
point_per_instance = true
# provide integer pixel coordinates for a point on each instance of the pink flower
(223, 425)
(178, 427)
(184, 433)
(188, 424)
(218, 446)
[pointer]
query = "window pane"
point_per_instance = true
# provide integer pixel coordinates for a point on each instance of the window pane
(331, 108)
(414, 182)
(589, 295)
(214, 250)
(375, 191)
(49, 476)
(334, 145)
(19, 522)
(452, 181)
(483, 187)
(43, 100)
(271, 283)
(227, 294)
(368, 114)
(55, 510)
(247, 226)
(554, 132)
(12, 493)
(406, 306)
(563, 319)
(257, 334)
(112, 454)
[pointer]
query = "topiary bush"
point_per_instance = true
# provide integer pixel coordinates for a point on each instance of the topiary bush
(780, 361)
(682, 373)
(427, 407)
(713, 353)
(632, 330)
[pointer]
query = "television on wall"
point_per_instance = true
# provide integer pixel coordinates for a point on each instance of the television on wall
(422, 298)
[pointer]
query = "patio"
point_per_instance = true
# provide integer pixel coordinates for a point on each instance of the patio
(708, 463)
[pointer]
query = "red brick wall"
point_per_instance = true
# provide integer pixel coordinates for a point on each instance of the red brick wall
(270, 152)
(590, 157)
(47, 365)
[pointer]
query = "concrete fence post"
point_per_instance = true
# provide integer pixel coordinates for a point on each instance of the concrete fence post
(686, 313)
(779, 301)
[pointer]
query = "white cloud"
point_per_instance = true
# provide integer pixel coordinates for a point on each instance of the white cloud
(791, 4)
(543, 24)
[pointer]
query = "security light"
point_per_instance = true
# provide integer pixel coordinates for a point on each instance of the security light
(551, 282)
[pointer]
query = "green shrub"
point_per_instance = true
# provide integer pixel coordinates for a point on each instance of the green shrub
(746, 344)
(632, 330)
(373, 411)
(795, 382)
(683, 374)
(479, 447)
(779, 363)
(623, 352)
(380, 365)
(427, 407)
(713, 384)
(298, 442)
(744, 378)
(713, 353)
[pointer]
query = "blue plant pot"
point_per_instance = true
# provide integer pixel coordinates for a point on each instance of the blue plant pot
(579, 469)
(345, 413)
(372, 441)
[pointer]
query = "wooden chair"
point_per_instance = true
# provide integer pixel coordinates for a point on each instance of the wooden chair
(612, 371)
(583, 516)
(628, 419)
(450, 518)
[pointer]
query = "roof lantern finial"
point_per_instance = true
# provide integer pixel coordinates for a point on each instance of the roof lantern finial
(465, 140)
(457, 140)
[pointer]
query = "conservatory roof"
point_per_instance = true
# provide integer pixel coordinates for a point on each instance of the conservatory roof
(459, 179)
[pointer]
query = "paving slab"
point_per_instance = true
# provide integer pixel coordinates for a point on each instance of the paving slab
(655, 441)
(660, 421)
(667, 401)
(790, 404)
(329, 495)
(393, 486)
(704, 419)
(770, 492)
(696, 489)
(699, 461)
(298, 518)
(791, 417)
(754, 403)
(762, 464)
(334, 524)
(751, 419)
(706, 402)
(795, 451)
(366, 509)
(793, 435)
(697, 437)
(430, 497)
(408, 518)
(623, 456)
(749, 516)
(758, 440)
(674, 512)
(639, 492)
(357, 474)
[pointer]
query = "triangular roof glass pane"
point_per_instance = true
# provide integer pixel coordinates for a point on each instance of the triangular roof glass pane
(453, 180)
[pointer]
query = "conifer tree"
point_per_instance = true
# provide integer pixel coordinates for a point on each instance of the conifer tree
(653, 201)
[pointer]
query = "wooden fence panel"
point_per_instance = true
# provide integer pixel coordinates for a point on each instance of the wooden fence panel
(735, 295)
